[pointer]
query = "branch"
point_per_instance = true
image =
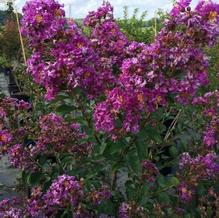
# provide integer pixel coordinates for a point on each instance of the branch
(173, 125)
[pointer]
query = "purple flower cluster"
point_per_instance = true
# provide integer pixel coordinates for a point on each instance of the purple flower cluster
(65, 191)
(96, 17)
(174, 64)
(19, 157)
(35, 205)
(195, 170)
(56, 135)
(53, 135)
(42, 20)
(97, 196)
(107, 114)
(5, 137)
(210, 104)
(12, 132)
(204, 18)
(186, 193)
(211, 134)
(11, 208)
(10, 110)
(129, 210)
(203, 167)
(150, 171)
(124, 210)
(9, 104)
(107, 39)
(63, 57)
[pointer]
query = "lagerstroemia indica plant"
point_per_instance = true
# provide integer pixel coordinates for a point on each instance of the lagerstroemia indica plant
(127, 129)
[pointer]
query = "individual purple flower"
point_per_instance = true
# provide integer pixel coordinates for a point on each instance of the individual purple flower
(211, 112)
(208, 10)
(210, 138)
(124, 210)
(211, 163)
(185, 161)
(2, 113)
(180, 6)
(23, 105)
(5, 137)
(103, 194)
(186, 193)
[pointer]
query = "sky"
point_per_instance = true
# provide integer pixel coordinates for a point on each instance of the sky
(80, 8)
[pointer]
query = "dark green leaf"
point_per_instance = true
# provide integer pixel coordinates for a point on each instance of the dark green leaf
(34, 178)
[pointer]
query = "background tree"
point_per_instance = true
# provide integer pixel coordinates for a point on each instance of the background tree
(9, 40)
(138, 28)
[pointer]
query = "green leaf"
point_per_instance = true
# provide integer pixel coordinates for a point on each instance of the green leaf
(144, 195)
(24, 176)
(107, 207)
(141, 145)
(174, 181)
(113, 148)
(161, 181)
(130, 189)
(34, 178)
(164, 198)
(158, 115)
(152, 133)
(134, 162)
(66, 214)
(65, 109)
(201, 189)
(173, 151)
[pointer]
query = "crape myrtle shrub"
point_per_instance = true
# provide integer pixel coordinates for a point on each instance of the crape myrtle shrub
(117, 114)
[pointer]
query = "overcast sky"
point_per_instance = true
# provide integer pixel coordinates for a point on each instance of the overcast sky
(79, 8)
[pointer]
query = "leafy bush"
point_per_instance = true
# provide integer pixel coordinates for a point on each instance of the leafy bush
(123, 131)
(138, 29)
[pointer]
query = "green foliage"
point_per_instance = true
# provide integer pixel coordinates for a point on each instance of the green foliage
(137, 28)
(213, 53)
(9, 41)
(4, 62)
(7, 14)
